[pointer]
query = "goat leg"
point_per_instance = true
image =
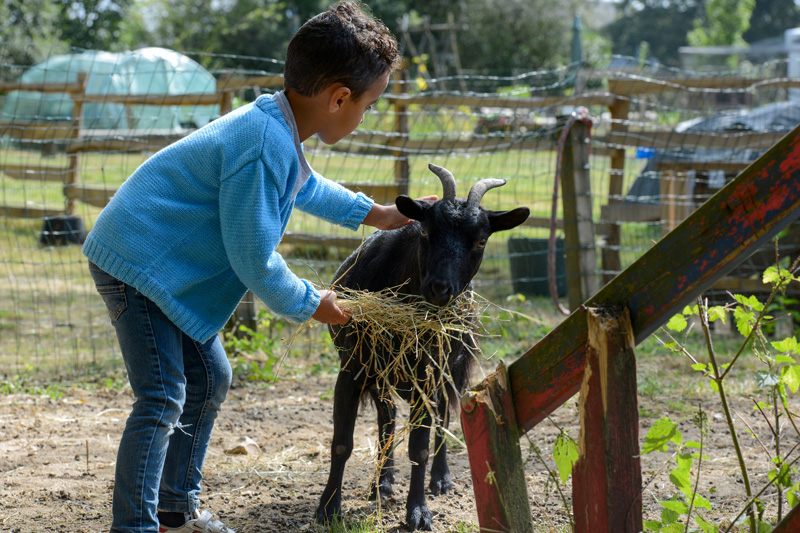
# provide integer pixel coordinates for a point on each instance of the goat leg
(441, 482)
(418, 516)
(345, 411)
(387, 414)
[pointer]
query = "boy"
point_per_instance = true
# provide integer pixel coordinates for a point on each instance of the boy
(195, 226)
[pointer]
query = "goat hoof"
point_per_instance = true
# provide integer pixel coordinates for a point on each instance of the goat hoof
(384, 489)
(420, 519)
(441, 486)
(327, 515)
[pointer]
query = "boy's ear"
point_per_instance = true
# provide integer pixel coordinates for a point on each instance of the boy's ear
(337, 98)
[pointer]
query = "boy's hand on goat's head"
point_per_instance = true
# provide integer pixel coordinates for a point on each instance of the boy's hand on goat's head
(328, 312)
(387, 217)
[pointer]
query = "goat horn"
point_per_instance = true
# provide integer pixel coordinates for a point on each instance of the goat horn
(479, 189)
(448, 181)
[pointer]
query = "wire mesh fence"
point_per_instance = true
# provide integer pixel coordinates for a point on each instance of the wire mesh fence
(657, 143)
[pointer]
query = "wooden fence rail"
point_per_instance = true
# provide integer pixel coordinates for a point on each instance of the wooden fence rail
(744, 215)
(401, 145)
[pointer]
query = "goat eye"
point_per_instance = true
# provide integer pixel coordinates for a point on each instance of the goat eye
(423, 232)
(481, 243)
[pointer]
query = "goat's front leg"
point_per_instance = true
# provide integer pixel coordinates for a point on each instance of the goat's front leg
(441, 482)
(418, 516)
(387, 414)
(345, 411)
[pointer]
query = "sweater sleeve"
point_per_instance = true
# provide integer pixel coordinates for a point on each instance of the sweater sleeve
(250, 219)
(335, 203)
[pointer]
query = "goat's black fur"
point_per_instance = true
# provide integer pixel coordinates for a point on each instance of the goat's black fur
(433, 258)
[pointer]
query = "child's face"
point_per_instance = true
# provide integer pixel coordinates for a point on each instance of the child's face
(351, 112)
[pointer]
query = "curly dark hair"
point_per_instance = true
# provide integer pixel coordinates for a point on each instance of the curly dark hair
(341, 45)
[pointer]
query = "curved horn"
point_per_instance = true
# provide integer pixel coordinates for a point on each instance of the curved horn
(448, 182)
(479, 189)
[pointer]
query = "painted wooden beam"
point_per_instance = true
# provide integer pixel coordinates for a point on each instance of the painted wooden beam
(742, 216)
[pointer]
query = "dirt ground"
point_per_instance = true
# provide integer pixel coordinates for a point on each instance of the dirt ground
(57, 462)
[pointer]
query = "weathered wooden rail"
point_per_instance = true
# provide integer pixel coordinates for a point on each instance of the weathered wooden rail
(592, 353)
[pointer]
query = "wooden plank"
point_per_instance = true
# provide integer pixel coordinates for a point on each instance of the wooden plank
(307, 239)
(790, 522)
(492, 436)
(598, 98)
(389, 142)
(607, 478)
(11, 211)
(188, 99)
(542, 222)
(38, 130)
(676, 199)
(636, 86)
(381, 194)
(137, 143)
(728, 228)
(35, 173)
(733, 167)
(238, 82)
(59, 87)
(666, 140)
(96, 196)
(630, 212)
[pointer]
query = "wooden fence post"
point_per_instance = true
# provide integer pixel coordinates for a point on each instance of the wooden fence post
(790, 522)
(576, 199)
(607, 479)
(612, 263)
(76, 125)
(401, 167)
(492, 437)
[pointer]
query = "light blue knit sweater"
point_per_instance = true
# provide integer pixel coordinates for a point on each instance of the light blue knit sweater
(199, 222)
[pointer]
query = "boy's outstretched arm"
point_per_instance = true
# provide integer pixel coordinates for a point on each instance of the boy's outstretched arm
(387, 217)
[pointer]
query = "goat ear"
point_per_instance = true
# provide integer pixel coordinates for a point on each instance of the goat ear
(413, 209)
(503, 220)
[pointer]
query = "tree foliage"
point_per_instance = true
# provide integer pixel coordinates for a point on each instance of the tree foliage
(724, 23)
(770, 18)
(662, 26)
(26, 22)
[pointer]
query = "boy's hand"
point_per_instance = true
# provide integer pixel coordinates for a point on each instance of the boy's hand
(387, 217)
(328, 312)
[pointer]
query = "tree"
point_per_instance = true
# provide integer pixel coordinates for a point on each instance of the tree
(92, 24)
(508, 36)
(771, 18)
(28, 31)
(724, 23)
(637, 25)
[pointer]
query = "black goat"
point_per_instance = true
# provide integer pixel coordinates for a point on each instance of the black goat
(434, 258)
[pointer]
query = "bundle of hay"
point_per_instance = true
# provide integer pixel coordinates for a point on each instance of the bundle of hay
(412, 330)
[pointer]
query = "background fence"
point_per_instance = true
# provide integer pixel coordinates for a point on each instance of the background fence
(659, 142)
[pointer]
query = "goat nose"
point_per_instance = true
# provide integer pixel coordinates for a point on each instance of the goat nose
(440, 292)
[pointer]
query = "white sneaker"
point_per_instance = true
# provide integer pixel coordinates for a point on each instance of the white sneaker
(202, 522)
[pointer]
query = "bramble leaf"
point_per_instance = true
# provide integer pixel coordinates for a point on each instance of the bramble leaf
(677, 323)
(788, 344)
(565, 454)
(660, 434)
(791, 377)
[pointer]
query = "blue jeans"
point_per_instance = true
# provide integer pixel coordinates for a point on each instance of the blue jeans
(179, 385)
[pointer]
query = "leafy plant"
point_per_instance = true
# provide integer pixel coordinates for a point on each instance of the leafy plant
(778, 375)
(254, 353)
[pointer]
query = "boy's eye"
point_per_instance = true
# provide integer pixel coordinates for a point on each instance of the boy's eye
(369, 108)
